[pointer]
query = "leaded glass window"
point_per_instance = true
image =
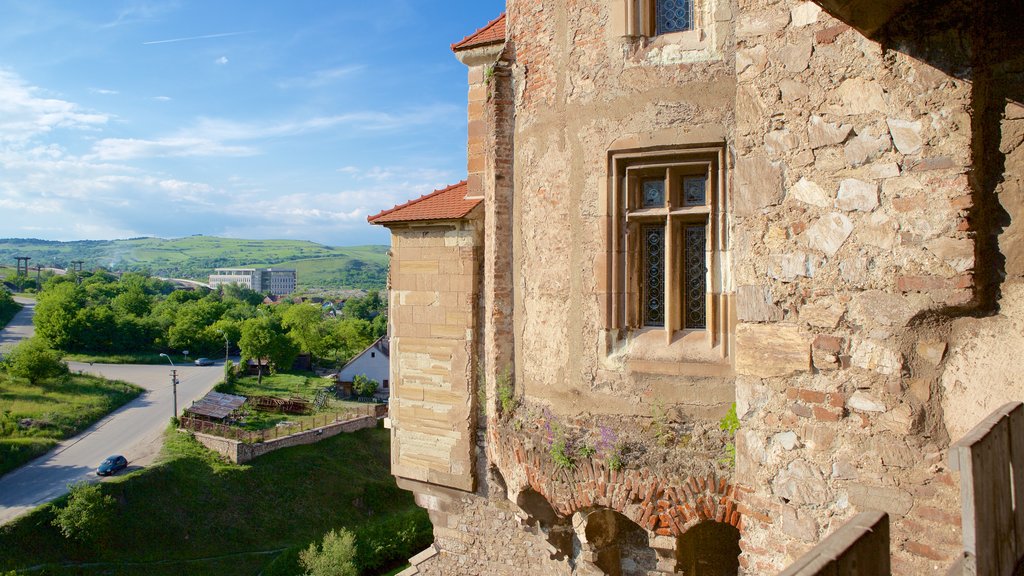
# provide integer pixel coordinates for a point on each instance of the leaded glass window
(694, 191)
(673, 16)
(695, 270)
(653, 194)
(654, 275)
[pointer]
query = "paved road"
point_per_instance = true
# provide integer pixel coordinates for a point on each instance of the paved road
(20, 326)
(134, 430)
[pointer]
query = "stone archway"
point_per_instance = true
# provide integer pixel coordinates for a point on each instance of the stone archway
(617, 545)
(709, 549)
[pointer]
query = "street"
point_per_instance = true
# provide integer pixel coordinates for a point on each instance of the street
(20, 326)
(135, 430)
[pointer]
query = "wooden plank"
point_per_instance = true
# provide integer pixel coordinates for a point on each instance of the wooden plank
(977, 433)
(859, 547)
(1016, 434)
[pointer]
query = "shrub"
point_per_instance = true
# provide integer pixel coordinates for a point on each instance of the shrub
(35, 360)
(364, 386)
(730, 423)
(88, 514)
(334, 557)
(382, 545)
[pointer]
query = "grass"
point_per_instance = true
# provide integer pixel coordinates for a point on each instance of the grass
(33, 418)
(302, 385)
(129, 358)
(195, 514)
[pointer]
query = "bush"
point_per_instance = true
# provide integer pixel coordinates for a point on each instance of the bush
(88, 514)
(364, 386)
(334, 557)
(383, 545)
(35, 360)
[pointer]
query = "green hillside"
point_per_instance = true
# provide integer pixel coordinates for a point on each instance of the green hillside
(195, 257)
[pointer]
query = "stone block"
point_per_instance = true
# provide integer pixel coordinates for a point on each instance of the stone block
(958, 253)
(800, 483)
(809, 192)
(892, 500)
(873, 355)
(821, 133)
(758, 184)
(865, 402)
(795, 57)
(799, 526)
(829, 233)
(864, 148)
(822, 314)
(755, 304)
(789, 267)
(877, 307)
(857, 195)
(905, 135)
(931, 351)
(771, 350)
(861, 96)
(804, 14)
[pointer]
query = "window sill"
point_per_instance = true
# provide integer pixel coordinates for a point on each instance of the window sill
(674, 48)
(687, 355)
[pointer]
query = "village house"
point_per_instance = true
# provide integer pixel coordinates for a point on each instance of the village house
(374, 363)
(810, 212)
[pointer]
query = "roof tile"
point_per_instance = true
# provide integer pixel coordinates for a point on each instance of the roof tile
(492, 33)
(446, 204)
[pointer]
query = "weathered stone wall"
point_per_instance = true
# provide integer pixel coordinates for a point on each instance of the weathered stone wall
(861, 238)
(582, 90)
(434, 288)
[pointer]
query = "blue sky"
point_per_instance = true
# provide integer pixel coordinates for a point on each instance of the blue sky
(248, 119)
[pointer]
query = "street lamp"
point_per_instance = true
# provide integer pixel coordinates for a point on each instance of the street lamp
(174, 383)
(226, 344)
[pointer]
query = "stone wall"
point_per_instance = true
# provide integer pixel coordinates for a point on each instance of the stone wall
(242, 452)
(434, 288)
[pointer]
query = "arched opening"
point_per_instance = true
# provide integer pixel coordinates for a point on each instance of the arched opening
(709, 549)
(620, 546)
(559, 530)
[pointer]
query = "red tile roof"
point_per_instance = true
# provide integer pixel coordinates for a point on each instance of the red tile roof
(493, 33)
(446, 204)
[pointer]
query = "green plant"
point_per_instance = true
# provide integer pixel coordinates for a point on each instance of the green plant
(616, 458)
(334, 557)
(729, 423)
(663, 432)
(363, 386)
(586, 450)
(88, 514)
(560, 451)
(507, 400)
(35, 361)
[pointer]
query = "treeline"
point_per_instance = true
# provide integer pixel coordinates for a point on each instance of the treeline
(97, 313)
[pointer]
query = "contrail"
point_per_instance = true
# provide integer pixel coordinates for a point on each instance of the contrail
(222, 35)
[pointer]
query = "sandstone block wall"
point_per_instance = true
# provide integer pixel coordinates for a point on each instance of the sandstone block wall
(434, 287)
(242, 452)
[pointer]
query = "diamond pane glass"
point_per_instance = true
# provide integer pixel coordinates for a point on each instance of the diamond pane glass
(654, 276)
(694, 191)
(654, 194)
(694, 296)
(674, 16)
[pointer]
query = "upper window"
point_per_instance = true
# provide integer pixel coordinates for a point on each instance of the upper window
(667, 241)
(672, 16)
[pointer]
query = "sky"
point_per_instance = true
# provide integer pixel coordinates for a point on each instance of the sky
(241, 118)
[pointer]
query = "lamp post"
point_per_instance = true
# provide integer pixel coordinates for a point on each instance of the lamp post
(174, 383)
(226, 344)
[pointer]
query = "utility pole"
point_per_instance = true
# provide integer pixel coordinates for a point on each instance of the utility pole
(174, 383)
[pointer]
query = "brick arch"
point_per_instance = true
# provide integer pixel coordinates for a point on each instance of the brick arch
(667, 507)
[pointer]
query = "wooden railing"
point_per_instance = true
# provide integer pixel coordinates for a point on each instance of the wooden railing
(990, 459)
(859, 548)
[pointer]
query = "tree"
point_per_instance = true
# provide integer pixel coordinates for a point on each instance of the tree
(264, 339)
(34, 360)
(306, 325)
(56, 315)
(335, 557)
(88, 514)
(349, 337)
(364, 386)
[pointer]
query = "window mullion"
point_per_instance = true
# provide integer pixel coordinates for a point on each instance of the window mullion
(671, 306)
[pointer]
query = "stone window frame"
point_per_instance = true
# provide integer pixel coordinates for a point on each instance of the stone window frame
(626, 169)
(639, 20)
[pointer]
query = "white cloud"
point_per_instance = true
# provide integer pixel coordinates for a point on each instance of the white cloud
(203, 37)
(321, 77)
(104, 91)
(25, 113)
(121, 149)
(162, 98)
(222, 60)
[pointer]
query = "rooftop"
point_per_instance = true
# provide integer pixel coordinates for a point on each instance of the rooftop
(492, 33)
(216, 405)
(446, 204)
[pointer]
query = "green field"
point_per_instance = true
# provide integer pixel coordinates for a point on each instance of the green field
(195, 257)
(194, 514)
(34, 418)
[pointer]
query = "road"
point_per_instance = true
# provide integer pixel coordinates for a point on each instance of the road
(20, 326)
(135, 430)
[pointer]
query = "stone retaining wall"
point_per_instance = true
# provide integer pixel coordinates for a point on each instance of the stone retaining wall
(241, 452)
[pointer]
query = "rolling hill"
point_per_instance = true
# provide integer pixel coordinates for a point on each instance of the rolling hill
(195, 257)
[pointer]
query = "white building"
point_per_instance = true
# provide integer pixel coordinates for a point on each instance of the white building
(276, 281)
(373, 363)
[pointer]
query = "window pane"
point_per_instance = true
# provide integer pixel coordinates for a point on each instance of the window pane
(694, 296)
(654, 194)
(674, 16)
(694, 191)
(654, 275)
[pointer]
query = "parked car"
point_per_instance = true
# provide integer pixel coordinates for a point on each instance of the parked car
(204, 362)
(112, 466)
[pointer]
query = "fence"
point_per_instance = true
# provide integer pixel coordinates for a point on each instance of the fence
(253, 436)
(859, 547)
(990, 459)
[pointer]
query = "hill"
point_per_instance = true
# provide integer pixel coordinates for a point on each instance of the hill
(195, 257)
